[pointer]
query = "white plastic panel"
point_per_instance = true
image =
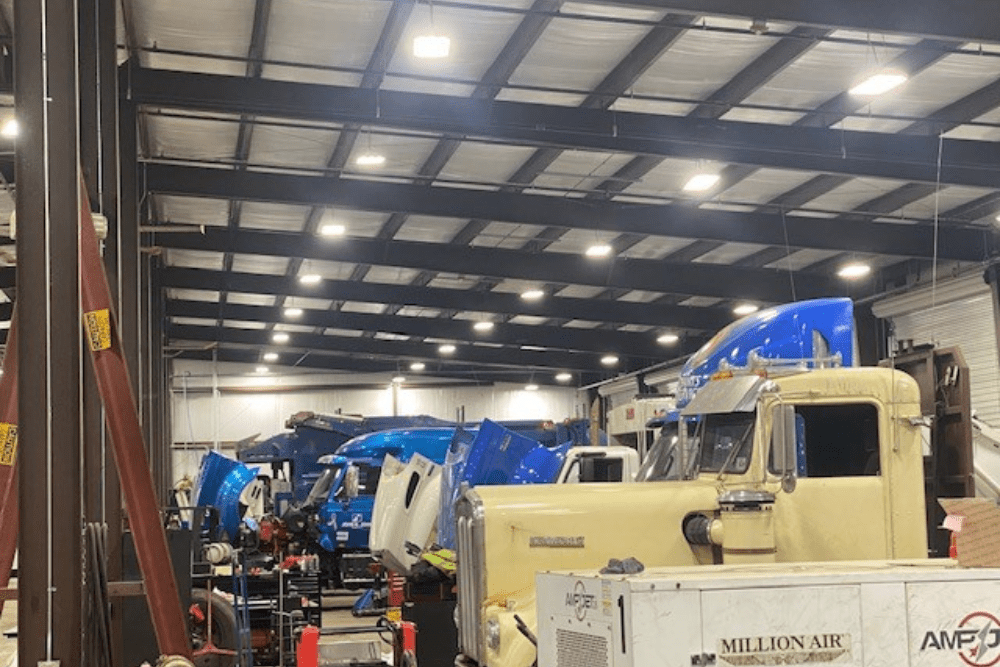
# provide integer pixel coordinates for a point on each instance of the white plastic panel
(191, 138)
(244, 299)
(404, 155)
(429, 229)
(580, 170)
(391, 275)
(240, 324)
(490, 163)
(323, 32)
(948, 197)
(274, 266)
(580, 291)
(192, 210)
(194, 259)
(192, 294)
(700, 62)
(363, 224)
(799, 259)
(854, 193)
(506, 235)
(277, 217)
(763, 185)
(656, 247)
(729, 253)
(359, 307)
(309, 148)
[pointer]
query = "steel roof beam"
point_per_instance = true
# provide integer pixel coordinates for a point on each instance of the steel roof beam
(710, 280)
(515, 335)
(671, 220)
(912, 158)
(431, 376)
(955, 20)
(406, 350)
(619, 312)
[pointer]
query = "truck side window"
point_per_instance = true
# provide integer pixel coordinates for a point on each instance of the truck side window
(840, 440)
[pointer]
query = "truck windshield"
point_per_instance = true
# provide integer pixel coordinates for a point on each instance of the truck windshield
(321, 489)
(663, 458)
(725, 441)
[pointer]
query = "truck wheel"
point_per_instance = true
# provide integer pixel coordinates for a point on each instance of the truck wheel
(218, 648)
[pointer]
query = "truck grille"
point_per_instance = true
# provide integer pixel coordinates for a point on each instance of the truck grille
(575, 649)
(471, 571)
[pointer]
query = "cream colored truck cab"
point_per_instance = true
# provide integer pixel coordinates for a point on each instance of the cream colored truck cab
(848, 486)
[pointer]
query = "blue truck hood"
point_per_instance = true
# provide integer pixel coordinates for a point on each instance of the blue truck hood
(401, 443)
(220, 482)
(493, 455)
(801, 330)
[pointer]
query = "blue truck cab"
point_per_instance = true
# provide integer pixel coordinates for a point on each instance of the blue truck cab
(806, 334)
(343, 495)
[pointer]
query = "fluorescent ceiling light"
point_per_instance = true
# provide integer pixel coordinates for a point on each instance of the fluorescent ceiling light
(609, 360)
(399, 379)
(668, 339)
(483, 326)
(447, 349)
(271, 356)
(599, 250)
(701, 182)
(532, 295)
(745, 309)
(332, 230)
(262, 369)
(417, 366)
(280, 337)
(370, 160)
(293, 312)
(854, 271)
(431, 46)
(310, 279)
(878, 83)
(531, 387)
(564, 377)
(10, 128)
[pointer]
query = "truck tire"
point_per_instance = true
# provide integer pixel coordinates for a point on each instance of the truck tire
(223, 632)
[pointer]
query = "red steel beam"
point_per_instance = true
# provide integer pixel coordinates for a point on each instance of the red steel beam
(104, 341)
(8, 457)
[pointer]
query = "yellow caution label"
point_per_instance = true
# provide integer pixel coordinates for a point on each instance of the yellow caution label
(394, 614)
(98, 329)
(8, 444)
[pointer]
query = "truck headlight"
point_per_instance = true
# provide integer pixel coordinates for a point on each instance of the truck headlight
(493, 634)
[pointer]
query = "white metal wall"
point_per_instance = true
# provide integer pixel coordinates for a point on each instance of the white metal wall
(958, 313)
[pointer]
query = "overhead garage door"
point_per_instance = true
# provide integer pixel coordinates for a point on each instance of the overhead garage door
(959, 313)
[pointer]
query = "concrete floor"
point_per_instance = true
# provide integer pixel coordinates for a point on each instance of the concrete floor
(337, 614)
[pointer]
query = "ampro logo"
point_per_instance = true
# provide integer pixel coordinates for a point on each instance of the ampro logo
(976, 640)
(581, 601)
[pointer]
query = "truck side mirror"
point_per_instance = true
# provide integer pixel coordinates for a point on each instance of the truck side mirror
(351, 482)
(783, 445)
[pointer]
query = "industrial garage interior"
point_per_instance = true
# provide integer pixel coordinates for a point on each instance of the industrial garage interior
(467, 209)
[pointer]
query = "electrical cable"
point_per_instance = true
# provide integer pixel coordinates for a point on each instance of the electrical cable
(788, 254)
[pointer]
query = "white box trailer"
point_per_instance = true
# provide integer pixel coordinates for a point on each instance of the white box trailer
(927, 613)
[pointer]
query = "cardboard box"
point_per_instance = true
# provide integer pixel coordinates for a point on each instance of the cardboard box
(976, 525)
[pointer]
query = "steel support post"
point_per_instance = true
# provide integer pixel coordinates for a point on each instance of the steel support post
(8, 456)
(50, 570)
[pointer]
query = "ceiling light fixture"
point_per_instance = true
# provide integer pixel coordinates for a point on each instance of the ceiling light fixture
(10, 128)
(701, 182)
(609, 360)
(271, 356)
(431, 46)
(854, 271)
(668, 339)
(333, 230)
(878, 83)
(399, 379)
(531, 387)
(293, 312)
(745, 309)
(532, 295)
(310, 279)
(447, 348)
(599, 250)
(262, 369)
(483, 326)
(280, 337)
(418, 366)
(564, 377)
(370, 160)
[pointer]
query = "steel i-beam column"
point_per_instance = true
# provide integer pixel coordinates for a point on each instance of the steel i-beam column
(50, 572)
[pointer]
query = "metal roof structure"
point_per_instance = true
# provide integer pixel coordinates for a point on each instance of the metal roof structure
(550, 127)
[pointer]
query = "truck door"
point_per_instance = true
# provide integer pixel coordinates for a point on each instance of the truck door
(837, 510)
